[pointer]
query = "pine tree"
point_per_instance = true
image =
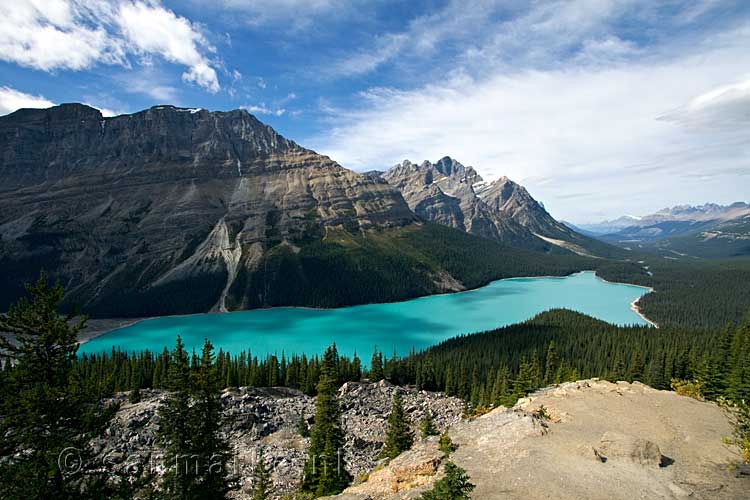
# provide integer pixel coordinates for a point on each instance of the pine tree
(500, 387)
(618, 373)
(135, 392)
(657, 377)
(523, 383)
(399, 436)
(135, 395)
(175, 434)
(738, 376)
(535, 372)
(325, 471)
(376, 366)
(261, 478)
(44, 405)
(454, 485)
(205, 426)
(738, 414)
(636, 367)
(550, 364)
(427, 426)
(356, 368)
(450, 387)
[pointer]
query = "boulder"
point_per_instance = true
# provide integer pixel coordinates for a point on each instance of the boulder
(617, 446)
(410, 470)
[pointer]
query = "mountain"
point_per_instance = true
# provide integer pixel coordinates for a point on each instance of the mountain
(455, 195)
(708, 230)
(607, 226)
(714, 239)
(177, 210)
(705, 212)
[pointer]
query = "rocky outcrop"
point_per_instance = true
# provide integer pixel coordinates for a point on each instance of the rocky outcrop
(406, 476)
(133, 210)
(270, 418)
(589, 439)
(455, 195)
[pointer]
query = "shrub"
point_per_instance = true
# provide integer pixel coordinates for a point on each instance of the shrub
(446, 444)
(454, 486)
(690, 388)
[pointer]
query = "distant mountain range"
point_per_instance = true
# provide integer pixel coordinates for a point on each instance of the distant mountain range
(709, 230)
(178, 210)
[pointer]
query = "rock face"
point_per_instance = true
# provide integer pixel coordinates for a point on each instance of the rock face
(147, 205)
(455, 195)
(594, 440)
(270, 418)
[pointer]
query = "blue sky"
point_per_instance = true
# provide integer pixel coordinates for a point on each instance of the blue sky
(599, 107)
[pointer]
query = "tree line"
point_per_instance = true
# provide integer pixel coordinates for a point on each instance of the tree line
(52, 399)
(485, 369)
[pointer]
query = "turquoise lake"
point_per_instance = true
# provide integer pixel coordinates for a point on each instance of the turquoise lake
(416, 323)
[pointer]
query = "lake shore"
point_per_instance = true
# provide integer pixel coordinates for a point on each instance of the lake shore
(636, 309)
(633, 305)
(97, 327)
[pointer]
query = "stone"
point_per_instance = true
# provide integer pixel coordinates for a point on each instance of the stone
(268, 417)
(617, 446)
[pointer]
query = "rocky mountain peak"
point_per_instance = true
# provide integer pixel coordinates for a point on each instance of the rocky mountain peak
(509, 197)
(60, 143)
(164, 197)
(455, 195)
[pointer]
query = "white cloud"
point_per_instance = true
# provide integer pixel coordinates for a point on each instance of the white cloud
(105, 111)
(48, 35)
(289, 14)
(151, 82)
(481, 36)
(12, 99)
(579, 128)
(387, 47)
(150, 29)
(262, 109)
(726, 107)
(51, 35)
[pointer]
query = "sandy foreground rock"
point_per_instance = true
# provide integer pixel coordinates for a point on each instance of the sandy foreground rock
(600, 441)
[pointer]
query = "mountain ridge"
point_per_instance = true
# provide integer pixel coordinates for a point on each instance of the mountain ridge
(694, 213)
(180, 210)
(707, 231)
(449, 193)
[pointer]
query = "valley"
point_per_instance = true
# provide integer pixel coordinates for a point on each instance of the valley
(182, 231)
(374, 250)
(148, 214)
(396, 327)
(682, 232)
